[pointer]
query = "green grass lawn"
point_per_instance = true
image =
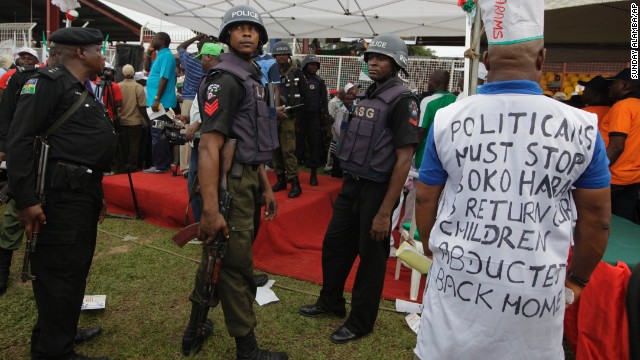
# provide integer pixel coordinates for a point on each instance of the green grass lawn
(147, 308)
(147, 283)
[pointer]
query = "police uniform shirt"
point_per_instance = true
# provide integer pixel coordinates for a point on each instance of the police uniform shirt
(312, 102)
(10, 100)
(314, 91)
(402, 120)
(85, 138)
(220, 99)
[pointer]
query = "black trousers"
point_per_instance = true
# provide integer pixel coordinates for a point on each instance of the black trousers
(128, 148)
(625, 201)
(309, 140)
(346, 238)
(61, 264)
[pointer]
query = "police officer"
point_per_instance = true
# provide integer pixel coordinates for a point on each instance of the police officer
(232, 105)
(284, 158)
(375, 174)
(10, 231)
(81, 148)
(312, 120)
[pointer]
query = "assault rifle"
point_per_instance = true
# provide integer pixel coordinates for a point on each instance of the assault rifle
(218, 248)
(41, 147)
(5, 192)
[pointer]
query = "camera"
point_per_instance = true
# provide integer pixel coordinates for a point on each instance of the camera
(173, 136)
(107, 74)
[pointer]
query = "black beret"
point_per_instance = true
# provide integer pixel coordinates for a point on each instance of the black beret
(77, 36)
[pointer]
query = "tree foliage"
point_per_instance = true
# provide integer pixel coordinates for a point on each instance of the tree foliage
(418, 50)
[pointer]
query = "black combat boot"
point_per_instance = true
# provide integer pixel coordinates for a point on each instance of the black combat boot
(191, 342)
(281, 184)
(5, 265)
(247, 349)
(313, 180)
(296, 190)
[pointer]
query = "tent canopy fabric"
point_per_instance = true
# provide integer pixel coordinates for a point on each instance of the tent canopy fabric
(575, 30)
(582, 23)
(317, 18)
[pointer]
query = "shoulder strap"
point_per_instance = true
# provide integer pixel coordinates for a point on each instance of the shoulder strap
(64, 117)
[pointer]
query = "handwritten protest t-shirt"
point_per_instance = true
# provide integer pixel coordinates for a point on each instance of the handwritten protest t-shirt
(508, 159)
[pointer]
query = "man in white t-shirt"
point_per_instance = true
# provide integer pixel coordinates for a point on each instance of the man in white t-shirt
(506, 174)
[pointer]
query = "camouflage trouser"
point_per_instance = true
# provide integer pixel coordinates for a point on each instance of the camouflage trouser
(10, 231)
(236, 288)
(284, 157)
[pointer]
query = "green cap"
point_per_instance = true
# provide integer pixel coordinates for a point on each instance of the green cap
(210, 49)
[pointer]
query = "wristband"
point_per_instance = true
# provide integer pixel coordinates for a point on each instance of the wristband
(577, 280)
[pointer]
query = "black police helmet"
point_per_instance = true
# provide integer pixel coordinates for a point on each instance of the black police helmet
(242, 14)
(309, 59)
(390, 45)
(281, 48)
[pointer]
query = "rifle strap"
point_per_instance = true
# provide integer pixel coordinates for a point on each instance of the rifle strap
(67, 114)
(192, 194)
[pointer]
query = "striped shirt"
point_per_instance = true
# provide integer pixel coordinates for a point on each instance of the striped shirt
(192, 74)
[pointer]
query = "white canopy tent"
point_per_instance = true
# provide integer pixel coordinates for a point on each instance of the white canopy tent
(568, 23)
(585, 21)
(317, 18)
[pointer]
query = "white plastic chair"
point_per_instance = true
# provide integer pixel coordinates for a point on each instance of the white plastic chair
(416, 243)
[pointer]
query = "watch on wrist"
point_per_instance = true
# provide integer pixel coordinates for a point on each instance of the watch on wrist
(156, 98)
(576, 279)
(569, 296)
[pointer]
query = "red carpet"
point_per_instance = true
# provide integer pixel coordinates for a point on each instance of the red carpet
(291, 245)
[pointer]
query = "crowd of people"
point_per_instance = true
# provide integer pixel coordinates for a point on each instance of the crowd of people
(478, 159)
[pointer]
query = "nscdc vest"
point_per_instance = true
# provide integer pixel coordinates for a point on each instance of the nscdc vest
(366, 146)
(255, 131)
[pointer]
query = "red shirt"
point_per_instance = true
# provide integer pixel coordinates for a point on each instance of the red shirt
(117, 96)
(5, 78)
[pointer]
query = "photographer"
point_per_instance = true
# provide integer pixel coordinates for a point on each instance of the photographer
(109, 92)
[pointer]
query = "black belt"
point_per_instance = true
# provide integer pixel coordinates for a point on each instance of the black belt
(354, 177)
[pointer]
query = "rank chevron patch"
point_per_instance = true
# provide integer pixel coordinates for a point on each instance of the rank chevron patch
(211, 108)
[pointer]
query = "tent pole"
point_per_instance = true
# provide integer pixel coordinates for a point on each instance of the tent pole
(339, 73)
(467, 61)
(476, 41)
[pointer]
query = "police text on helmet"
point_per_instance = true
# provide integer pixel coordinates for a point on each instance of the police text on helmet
(245, 13)
(378, 43)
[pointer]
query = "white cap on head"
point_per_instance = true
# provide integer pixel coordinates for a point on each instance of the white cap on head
(350, 86)
(512, 21)
(26, 50)
(139, 76)
(108, 65)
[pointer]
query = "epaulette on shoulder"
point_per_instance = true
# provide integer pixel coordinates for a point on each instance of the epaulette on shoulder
(26, 68)
(51, 72)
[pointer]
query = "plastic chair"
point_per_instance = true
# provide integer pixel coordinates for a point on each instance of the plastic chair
(410, 228)
(633, 313)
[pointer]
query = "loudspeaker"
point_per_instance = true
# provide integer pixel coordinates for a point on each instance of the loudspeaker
(128, 54)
